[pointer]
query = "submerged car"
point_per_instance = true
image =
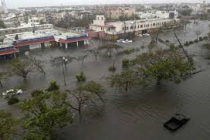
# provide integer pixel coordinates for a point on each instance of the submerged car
(176, 122)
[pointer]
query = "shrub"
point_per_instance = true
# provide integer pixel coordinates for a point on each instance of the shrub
(172, 46)
(160, 40)
(13, 100)
(186, 43)
(205, 37)
(200, 38)
(53, 86)
(125, 63)
(191, 42)
(196, 40)
(36, 93)
(80, 77)
(167, 41)
(112, 68)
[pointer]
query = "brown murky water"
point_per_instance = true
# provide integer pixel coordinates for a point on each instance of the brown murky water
(140, 113)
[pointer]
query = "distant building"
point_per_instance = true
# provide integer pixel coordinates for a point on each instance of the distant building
(158, 14)
(117, 12)
(118, 28)
(25, 28)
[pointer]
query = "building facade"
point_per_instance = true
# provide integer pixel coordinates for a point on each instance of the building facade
(117, 12)
(121, 27)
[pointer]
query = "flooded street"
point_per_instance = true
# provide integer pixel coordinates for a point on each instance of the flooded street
(140, 113)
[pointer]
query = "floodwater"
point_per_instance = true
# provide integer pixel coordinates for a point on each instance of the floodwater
(140, 113)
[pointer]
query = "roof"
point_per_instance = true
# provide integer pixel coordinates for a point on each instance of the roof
(34, 41)
(8, 51)
(73, 40)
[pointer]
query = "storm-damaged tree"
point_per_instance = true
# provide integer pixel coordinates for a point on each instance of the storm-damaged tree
(3, 76)
(124, 80)
(7, 125)
(62, 61)
(22, 67)
(82, 58)
(109, 48)
(45, 114)
(84, 96)
(38, 63)
(198, 33)
(94, 52)
(163, 65)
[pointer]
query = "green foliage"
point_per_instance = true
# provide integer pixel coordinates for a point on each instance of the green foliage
(205, 37)
(94, 88)
(186, 43)
(191, 42)
(163, 65)
(80, 77)
(123, 81)
(53, 86)
(125, 63)
(37, 93)
(13, 100)
(112, 69)
(130, 51)
(200, 38)
(160, 40)
(7, 124)
(196, 40)
(22, 67)
(44, 114)
(2, 25)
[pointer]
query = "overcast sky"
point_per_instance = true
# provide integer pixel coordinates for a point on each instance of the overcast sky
(30, 3)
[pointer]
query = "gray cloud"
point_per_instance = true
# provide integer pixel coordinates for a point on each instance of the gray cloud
(25, 3)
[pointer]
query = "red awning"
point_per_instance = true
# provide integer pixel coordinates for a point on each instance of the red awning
(18, 44)
(73, 40)
(5, 52)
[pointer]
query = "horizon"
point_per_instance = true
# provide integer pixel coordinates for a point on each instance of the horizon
(49, 3)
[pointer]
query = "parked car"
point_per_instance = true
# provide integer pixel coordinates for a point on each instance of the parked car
(127, 41)
(139, 35)
(13, 92)
(120, 40)
(146, 34)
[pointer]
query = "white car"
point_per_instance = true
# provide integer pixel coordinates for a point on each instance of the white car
(146, 34)
(13, 92)
(120, 40)
(139, 35)
(127, 41)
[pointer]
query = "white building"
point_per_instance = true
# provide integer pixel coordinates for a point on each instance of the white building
(120, 27)
(158, 14)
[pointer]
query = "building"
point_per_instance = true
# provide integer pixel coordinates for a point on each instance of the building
(121, 27)
(7, 52)
(72, 40)
(117, 12)
(25, 28)
(158, 14)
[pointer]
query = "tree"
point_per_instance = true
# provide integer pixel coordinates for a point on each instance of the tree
(2, 25)
(94, 52)
(109, 48)
(198, 33)
(62, 62)
(45, 114)
(94, 88)
(22, 67)
(123, 81)
(83, 96)
(3, 76)
(82, 58)
(7, 125)
(163, 65)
